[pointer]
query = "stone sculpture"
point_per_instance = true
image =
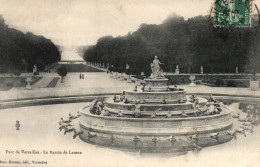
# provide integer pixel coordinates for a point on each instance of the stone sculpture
(156, 70)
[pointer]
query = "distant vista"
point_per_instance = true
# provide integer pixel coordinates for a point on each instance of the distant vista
(190, 44)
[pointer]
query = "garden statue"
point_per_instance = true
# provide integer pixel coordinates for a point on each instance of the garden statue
(156, 70)
(177, 70)
(34, 68)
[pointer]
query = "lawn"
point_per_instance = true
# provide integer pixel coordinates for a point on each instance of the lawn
(6, 83)
(53, 82)
(80, 68)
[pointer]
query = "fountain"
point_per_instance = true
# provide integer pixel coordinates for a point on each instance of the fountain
(155, 118)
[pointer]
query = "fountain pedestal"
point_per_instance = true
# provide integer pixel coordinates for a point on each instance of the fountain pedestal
(156, 84)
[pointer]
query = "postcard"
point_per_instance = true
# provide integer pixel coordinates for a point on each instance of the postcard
(129, 83)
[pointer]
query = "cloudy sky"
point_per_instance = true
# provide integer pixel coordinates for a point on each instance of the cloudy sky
(82, 22)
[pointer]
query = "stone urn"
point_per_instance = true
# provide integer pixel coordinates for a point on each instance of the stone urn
(192, 79)
(254, 85)
(138, 82)
(129, 80)
(125, 76)
(119, 76)
(115, 75)
(122, 77)
(28, 81)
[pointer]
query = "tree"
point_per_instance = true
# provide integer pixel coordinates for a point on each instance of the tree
(21, 51)
(62, 71)
(189, 44)
(17, 73)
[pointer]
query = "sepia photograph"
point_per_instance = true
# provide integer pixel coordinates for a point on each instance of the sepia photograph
(130, 83)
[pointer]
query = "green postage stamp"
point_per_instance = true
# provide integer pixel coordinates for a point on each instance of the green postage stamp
(232, 13)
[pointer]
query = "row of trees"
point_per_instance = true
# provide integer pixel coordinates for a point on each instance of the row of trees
(187, 43)
(19, 51)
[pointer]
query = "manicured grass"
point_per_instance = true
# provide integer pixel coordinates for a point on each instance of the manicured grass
(35, 79)
(80, 68)
(6, 83)
(53, 82)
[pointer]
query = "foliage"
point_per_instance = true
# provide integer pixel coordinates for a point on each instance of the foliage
(253, 64)
(62, 71)
(17, 72)
(219, 82)
(189, 44)
(128, 71)
(120, 70)
(19, 51)
(53, 82)
(231, 83)
(78, 68)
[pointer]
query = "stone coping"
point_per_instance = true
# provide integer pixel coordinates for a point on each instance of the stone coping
(88, 114)
(149, 104)
(150, 101)
(46, 101)
(155, 126)
(139, 91)
(159, 113)
(110, 101)
(163, 131)
(37, 101)
(156, 79)
(223, 95)
(159, 131)
(145, 146)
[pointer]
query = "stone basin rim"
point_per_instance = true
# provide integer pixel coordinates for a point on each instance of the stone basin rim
(156, 80)
(226, 112)
(165, 92)
(152, 105)
(159, 132)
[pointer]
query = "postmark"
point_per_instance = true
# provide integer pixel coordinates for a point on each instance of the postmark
(232, 13)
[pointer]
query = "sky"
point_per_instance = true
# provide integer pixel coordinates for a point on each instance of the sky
(82, 22)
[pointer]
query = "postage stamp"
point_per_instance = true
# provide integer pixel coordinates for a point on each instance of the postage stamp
(232, 13)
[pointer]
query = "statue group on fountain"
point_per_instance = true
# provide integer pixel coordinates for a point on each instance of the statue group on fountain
(156, 70)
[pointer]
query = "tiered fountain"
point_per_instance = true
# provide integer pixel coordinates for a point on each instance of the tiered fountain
(155, 118)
